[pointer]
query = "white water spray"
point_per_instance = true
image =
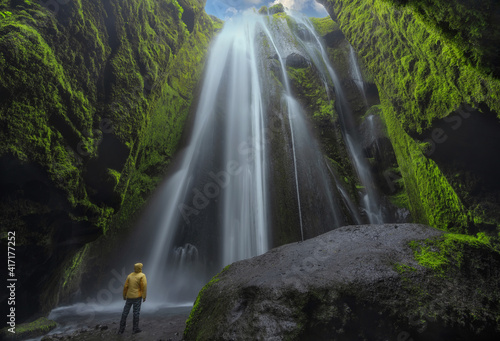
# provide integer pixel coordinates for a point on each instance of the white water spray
(215, 207)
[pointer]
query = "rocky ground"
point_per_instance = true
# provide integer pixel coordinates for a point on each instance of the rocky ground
(164, 326)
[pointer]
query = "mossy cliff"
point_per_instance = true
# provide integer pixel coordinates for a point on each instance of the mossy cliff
(433, 62)
(93, 99)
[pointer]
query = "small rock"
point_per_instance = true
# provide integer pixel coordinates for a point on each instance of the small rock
(104, 327)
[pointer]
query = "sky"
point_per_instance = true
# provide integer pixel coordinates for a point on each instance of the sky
(225, 9)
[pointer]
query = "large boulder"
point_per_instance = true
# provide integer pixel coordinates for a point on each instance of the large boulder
(368, 282)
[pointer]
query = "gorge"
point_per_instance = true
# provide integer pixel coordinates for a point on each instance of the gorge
(150, 130)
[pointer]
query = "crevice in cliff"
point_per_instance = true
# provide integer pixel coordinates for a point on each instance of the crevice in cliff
(103, 173)
(465, 146)
(107, 78)
(188, 17)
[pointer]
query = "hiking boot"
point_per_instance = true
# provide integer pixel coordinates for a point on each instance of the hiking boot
(137, 331)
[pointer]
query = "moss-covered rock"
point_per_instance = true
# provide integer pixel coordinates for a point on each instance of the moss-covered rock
(263, 10)
(278, 8)
(25, 331)
(93, 100)
(427, 67)
(370, 282)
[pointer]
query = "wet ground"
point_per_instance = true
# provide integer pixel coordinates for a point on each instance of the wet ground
(92, 323)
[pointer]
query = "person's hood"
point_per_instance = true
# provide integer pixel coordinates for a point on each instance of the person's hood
(138, 267)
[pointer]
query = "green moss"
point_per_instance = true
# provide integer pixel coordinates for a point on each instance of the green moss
(323, 26)
(70, 83)
(403, 268)
(275, 9)
(196, 312)
(165, 124)
(431, 199)
(467, 27)
(422, 75)
(400, 199)
(74, 266)
(5, 14)
(311, 91)
(33, 329)
(447, 252)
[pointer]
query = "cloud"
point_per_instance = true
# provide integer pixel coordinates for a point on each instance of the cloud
(231, 10)
(307, 6)
(223, 8)
(297, 5)
(319, 7)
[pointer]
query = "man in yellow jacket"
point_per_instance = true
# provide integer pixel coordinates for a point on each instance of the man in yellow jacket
(134, 291)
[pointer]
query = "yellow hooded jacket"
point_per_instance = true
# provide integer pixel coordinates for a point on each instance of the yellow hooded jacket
(136, 284)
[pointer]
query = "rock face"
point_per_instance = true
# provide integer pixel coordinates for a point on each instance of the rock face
(437, 76)
(93, 100)
(296, 60)
(356, 283)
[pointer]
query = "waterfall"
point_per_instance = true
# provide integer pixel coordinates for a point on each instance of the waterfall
(356, 74)
(369, 197)
(216, 205)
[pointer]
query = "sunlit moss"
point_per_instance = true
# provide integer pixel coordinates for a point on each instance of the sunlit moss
(443, 253)
(323, 26)
(431, 199)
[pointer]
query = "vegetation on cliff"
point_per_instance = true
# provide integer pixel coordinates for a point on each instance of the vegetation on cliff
(94, 97)
(427, 68)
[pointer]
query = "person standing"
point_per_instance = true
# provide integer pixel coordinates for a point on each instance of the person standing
(134, 291)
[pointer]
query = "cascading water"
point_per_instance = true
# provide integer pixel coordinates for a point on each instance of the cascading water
(356, 73)
(216, 206)
(319, 57)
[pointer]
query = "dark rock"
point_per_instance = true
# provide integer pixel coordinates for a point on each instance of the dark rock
(303, 33)
(297, 61)
(353, 283)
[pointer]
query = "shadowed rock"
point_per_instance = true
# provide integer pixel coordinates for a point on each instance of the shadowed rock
(296, 60)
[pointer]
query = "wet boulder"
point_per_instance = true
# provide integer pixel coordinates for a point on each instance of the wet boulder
(367, 282)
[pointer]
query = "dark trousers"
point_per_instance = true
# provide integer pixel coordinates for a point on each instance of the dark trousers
(136, 302)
